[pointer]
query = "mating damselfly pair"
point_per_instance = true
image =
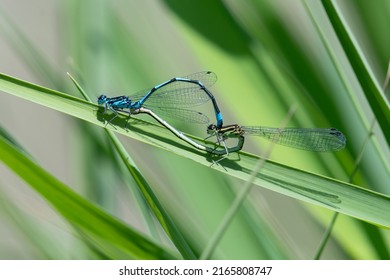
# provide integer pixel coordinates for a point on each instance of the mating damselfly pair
(175, 97)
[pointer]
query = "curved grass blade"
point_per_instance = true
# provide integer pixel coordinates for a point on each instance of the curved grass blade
(339, 196)
(103, 230)
(372, 90)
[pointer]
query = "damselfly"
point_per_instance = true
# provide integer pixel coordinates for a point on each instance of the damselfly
(309, 139)
(171, 98)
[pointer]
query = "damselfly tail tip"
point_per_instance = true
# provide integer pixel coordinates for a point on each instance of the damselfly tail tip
(342, 140)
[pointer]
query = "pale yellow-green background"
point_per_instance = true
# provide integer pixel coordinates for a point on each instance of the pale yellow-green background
(267, 55)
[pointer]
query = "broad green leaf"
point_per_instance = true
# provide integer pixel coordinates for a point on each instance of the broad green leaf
(332, 194)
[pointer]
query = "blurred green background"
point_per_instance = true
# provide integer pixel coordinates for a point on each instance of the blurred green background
(268, 55)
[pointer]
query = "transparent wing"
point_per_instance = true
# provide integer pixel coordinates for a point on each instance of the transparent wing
(310, 139)
(180, 93)
(185, 115)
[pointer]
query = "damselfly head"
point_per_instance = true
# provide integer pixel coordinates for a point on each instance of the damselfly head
(102, 99)
(211, 129)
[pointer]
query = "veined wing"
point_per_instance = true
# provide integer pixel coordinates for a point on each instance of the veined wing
(180, 93)
(310, 139)
(185, 115)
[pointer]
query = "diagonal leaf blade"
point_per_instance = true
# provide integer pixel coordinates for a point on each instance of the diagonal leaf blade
(332, 194)
(105, 232)
(372, 90)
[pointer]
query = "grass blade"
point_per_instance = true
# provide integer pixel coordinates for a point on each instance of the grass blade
(335, 195)
(371, 88)
(107, 233)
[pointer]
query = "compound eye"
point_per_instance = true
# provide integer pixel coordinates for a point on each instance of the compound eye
(101, 98)
(211, 127)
